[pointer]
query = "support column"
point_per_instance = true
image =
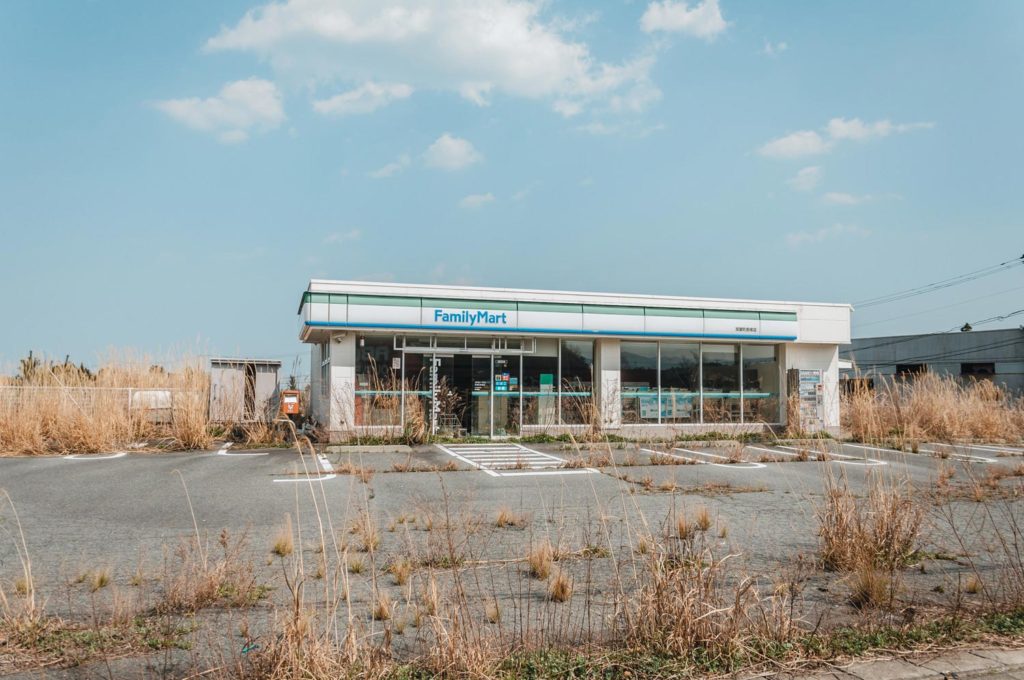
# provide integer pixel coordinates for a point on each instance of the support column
(343, 382)
(608, 382)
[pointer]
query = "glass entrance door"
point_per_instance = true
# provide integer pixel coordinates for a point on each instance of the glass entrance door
(480, 397)
(507, 396)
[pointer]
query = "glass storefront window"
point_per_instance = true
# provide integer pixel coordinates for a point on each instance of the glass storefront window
(576, 388)
(680, 382)
(540, 384)
(378, 394)
(721, 367)
(506, 395)
(760, 384)
(639, 380)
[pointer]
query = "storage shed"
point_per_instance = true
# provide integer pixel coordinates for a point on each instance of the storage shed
(243, 390)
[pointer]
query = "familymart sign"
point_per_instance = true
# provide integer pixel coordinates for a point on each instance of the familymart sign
(471, 318)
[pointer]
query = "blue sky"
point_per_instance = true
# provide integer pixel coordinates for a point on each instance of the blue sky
(172, 174)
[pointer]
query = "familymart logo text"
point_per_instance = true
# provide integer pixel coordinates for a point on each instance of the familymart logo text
(475, 318)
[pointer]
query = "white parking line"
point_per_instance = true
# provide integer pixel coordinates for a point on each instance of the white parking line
(781, 453)
(223, 451)
(92, 456)
(510, 460)
(958, 456)
(983, 447)
(746, 465)
(323, 464)
(850, 460)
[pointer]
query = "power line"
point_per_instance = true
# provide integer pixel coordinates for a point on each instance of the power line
(912, 338)
(939, 308)
(939, 285)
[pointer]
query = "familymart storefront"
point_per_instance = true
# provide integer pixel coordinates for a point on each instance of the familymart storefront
(497, 362)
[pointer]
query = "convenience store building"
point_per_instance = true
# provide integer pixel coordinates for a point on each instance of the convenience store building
(500, 362)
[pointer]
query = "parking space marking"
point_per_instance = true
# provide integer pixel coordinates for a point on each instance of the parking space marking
(93, 456)
(781, 453)
(510, 460)
(958, 456)
(746, 465)
(223, 451)
(850, 460)
(323, 465)
(983, 447)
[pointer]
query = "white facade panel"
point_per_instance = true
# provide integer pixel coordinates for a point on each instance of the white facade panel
(732, 327)
(779, 329)
(338, 312)
(550, 321)
(383, 315)
(674, 325)
(318, 312)
(613, 323)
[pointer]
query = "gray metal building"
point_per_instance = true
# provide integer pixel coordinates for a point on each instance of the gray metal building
(996, 355)
(243, 390)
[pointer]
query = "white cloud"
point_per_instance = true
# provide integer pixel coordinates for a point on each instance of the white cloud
(810, 143)
(796, 145)
(366, 98)
(451, 153)
(476, 48)
(393, 168)
(799, 238)
(855, 128)
(843, 198)
(806, 178)
(476, 200)
(239, 107)
(774, 49)
(702, 21)
(343, 236)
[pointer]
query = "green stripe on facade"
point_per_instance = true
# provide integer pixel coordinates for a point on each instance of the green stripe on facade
(667, 311)
(725, 314)
(470, 304)
(383, 301)
(550, 307)
(609, 309)
(339, 299)
(317, 297)
(778, 316)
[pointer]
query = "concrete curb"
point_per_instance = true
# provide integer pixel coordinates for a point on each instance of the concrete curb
(961, 663)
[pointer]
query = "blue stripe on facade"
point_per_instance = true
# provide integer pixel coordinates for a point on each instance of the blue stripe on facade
(721, 336)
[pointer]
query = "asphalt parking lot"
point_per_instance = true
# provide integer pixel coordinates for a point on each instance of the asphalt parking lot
(117, 509)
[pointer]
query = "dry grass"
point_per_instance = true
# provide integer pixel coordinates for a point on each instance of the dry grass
(541, 559)
(879, 532)
(932, 408)
(283, 544)
(365, 529)
(871, 587)
(400, 570)
(382, 606)
(192, 579)
(492, 612)
(99, 578)
(559, 586)
(60, 408)
(507, 518)
(703, 521)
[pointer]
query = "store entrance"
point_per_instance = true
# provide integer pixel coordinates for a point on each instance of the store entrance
(461, 395)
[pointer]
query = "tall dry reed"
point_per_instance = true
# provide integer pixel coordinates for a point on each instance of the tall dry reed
(932, 407)
(62, 408)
